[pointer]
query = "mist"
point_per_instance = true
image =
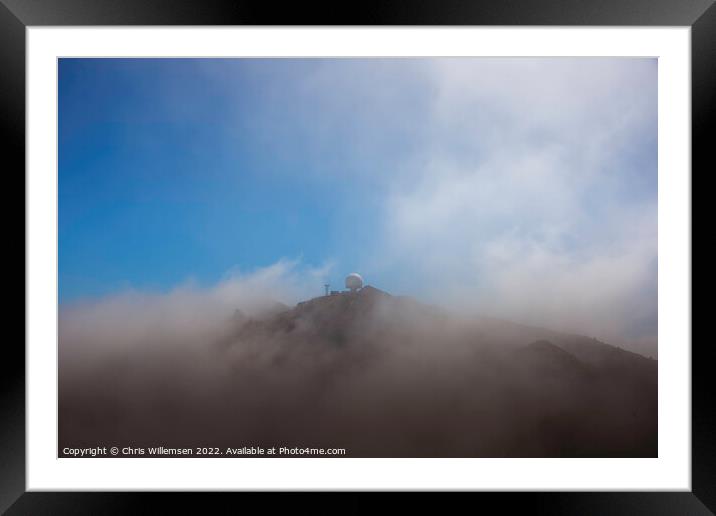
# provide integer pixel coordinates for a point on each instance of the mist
(505, 208)
(525, 188)
(379, 375)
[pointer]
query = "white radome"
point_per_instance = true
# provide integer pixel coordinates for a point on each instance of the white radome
(354, 281)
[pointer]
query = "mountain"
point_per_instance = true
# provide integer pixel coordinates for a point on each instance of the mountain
(575, 395)
(354, 319)
(383, 376)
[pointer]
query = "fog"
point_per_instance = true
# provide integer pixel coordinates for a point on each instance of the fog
(525, 188)
(376, 374)
(515, 198)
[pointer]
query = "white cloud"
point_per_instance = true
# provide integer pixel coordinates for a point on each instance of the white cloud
(532, 202)
(522, 187)
(188, 315)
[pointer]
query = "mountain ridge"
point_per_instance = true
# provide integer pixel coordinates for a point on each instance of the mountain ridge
(346, 309)
(376, 374)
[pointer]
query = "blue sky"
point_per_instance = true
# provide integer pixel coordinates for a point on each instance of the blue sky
(151, 195)
(521, 187)
(165, 174)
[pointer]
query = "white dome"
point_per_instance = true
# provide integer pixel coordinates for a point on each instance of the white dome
(354, 281)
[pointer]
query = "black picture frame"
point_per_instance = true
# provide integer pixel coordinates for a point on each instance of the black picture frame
(16, 15)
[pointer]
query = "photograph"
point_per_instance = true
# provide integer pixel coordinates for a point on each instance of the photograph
(357, 257)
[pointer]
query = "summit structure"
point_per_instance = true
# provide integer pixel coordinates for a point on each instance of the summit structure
(354, 282)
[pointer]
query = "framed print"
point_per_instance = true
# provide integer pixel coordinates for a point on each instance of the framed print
(439, 250)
